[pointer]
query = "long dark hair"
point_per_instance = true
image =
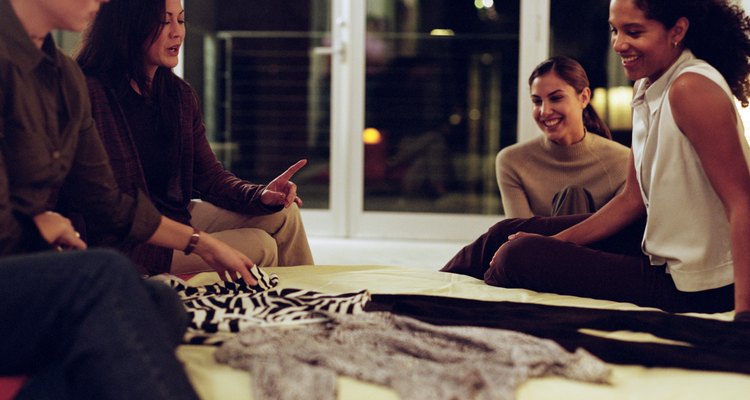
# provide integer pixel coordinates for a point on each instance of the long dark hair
(114, 48)
(574, 75)
(718, 33)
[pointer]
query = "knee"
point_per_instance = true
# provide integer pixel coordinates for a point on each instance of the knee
(287, 220)
(260, 247)
(106, 265)
(169, 309)
(269, 251)
(117, 276)
(509, 267)
(293, 210)
(102, 274)
(500, 231)
(290, 215)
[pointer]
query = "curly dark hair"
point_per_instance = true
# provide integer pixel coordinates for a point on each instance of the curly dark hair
(718, 33)
(572, 72)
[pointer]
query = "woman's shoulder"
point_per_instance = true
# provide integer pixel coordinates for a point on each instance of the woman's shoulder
(184, 87)
(698, 80)
(95, 83)
(521, 149)
(695, 71)
(187, 95)
(98, 89)
(697, 65)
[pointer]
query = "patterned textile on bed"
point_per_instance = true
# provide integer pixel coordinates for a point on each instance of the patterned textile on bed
(416, 359)
(217, 312)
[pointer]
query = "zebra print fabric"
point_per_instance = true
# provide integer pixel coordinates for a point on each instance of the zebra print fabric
(217, 312)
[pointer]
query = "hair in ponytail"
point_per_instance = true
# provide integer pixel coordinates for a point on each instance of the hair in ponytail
(574, 75)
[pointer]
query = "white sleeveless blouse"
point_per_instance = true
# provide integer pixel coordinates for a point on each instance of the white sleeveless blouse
(687, 226)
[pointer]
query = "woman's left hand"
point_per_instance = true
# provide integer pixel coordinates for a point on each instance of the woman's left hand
(282, 190)
(510, 239)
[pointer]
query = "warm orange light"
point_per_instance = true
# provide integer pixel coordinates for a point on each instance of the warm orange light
(372, 136)
(613, 105)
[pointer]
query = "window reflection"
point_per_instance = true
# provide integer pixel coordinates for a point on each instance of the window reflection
(580, 29)
(441, 88)
(441, 96)
(265, 95)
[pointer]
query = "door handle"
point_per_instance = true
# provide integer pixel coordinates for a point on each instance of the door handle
(339, 49)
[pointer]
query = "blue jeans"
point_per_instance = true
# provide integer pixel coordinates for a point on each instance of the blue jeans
(84, 325)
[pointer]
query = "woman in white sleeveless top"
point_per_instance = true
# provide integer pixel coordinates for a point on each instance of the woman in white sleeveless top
(676, 237)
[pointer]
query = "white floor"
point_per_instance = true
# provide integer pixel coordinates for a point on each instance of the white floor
(421, 254)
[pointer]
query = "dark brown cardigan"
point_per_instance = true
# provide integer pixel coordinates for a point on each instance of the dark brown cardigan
(198, 174)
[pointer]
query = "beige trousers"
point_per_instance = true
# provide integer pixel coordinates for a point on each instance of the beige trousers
(277, 239)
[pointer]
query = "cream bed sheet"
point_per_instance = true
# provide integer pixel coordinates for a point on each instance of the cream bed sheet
(215, 381)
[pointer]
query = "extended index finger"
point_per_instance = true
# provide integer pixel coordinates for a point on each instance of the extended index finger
(293, 169)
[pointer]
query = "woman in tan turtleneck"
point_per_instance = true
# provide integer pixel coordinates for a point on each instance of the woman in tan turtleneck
(574, 167)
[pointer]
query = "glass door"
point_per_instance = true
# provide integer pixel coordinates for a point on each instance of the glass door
(440, 100)
(264, 73)
(400, 106)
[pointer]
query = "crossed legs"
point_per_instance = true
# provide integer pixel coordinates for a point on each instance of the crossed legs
(277, 239)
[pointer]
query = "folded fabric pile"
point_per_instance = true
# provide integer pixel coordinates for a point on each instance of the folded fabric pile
(217, 312)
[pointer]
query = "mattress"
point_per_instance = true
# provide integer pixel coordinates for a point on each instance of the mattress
(217, 381)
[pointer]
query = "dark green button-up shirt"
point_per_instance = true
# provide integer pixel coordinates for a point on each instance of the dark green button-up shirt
(49, 146)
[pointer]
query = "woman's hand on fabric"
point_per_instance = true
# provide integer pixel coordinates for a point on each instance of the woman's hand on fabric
(228, 262)
(58, 231)
(225, 260)
(282, 190)
(520, 235)
(511, 238)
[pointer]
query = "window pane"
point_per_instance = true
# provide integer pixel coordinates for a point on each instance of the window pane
(441, 93)
(265, 94)
(580, 29)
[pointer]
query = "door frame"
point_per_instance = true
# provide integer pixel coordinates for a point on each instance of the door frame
(346, 217)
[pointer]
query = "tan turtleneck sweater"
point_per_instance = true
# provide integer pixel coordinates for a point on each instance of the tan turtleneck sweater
(530, 173)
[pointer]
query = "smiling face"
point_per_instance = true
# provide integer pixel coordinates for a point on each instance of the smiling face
(558, 109)
(164, 51)
(647, 49)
